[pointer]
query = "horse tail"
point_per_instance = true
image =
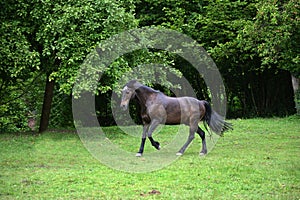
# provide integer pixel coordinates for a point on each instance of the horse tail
(215, 121)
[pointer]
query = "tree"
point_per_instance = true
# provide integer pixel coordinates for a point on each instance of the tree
(250, 41)
(61, 33)
(274, 35)
(259, 56)
(255, 44)
(17, 72)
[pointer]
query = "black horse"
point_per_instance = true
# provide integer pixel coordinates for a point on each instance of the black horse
(157, 108)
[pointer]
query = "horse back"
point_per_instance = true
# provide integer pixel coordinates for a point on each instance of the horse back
(182, 110)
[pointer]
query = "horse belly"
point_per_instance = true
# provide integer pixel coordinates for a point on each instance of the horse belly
(173, 118)
(174, 115)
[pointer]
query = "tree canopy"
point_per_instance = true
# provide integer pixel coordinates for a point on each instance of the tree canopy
(255, 45)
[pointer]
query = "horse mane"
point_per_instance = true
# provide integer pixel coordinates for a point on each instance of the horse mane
(138, 86)
(148, 89)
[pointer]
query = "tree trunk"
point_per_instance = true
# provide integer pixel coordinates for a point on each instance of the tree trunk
(296, 84)
(48, 95)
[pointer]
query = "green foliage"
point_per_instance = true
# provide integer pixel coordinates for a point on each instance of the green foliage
(50, 38)
(69, 31)
(61, 111)
(20, 101)
(273, 35)
(17, 74)
(247, 40)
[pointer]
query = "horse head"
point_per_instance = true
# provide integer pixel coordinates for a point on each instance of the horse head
(128, 93)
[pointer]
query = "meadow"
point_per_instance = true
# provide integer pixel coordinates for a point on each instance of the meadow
(259, 159)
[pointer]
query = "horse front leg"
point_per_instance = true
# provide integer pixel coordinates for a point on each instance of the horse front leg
(141, 150)
(201, 133)
(154, 124)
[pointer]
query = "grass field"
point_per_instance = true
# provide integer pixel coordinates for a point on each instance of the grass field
(258, 160)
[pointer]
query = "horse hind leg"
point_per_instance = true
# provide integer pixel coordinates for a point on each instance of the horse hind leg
(189, 140)
(201, 133)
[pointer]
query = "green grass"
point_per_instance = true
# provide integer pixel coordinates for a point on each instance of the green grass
(258, 160)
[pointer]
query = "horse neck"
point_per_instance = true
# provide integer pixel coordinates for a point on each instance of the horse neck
(143, 93)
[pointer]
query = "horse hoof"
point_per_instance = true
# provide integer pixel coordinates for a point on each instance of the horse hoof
(157, 145)
(178, 154)
(202, 154)
(138, 154)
